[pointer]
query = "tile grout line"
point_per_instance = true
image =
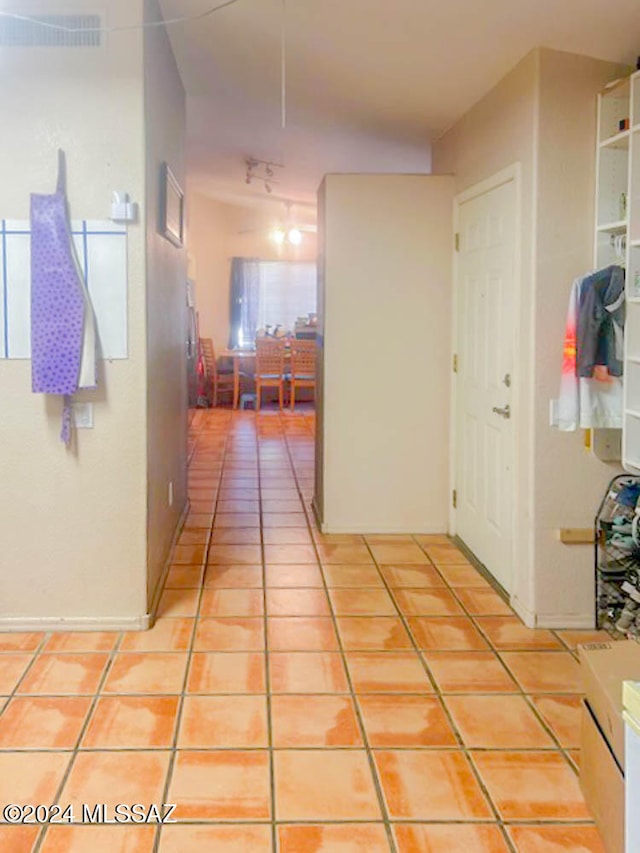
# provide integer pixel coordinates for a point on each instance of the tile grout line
(476, 621)
(345, 695)
(273, 797)
(267, 662)
(386, 817)
(489, 799)
(482, 822)
(441, 695)
(35, 655)
(76, 750)
(521, 690)
(518, 691)
(176, 726)
(497, 652)
(182, 695)
(40, 649)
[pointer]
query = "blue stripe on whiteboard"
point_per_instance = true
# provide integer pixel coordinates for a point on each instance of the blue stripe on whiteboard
(84, 232)
(5, 295)
(85, 251)
(88, 232)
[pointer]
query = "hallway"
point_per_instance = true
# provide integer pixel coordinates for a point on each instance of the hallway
(389, 700)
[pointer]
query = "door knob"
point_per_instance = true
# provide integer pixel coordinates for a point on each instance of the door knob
(504, 412)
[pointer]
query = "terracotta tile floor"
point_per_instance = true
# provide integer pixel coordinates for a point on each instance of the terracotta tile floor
(299, 693)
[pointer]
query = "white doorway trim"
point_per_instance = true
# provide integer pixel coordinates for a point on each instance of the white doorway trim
(510, 173)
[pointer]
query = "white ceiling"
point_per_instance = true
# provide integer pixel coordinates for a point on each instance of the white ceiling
(368, 84)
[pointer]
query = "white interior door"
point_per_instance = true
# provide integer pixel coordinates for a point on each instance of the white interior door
(484, 417)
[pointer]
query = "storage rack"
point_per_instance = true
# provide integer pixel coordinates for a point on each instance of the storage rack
(617, 558)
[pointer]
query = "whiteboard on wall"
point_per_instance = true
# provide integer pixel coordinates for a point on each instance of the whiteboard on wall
(101, 246)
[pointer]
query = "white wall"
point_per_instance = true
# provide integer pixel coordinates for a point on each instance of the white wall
(165, 119)
(208, 237)
(498, 131)
(569, 481)
(385, 319)
(85, 532)
(73, 524)
(542, 115)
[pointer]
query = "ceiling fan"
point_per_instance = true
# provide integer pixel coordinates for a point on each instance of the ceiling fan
(287, 231)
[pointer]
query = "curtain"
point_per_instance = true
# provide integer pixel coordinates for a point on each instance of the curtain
(287, 291)
(245, 292)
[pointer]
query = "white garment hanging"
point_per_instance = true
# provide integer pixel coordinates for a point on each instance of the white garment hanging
(585, 403)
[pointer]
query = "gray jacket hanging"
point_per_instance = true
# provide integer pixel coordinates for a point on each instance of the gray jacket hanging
(601, 322)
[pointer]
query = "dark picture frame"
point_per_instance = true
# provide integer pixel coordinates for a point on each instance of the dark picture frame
(171, 213)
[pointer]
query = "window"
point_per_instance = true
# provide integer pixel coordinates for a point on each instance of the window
(287, 291)
(269, 294)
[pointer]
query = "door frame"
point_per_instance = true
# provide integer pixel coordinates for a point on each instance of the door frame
(510, 173)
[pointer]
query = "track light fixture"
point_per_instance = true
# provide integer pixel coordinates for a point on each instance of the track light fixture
(267, 167)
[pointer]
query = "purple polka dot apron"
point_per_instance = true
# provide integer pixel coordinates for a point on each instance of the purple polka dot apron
(63, 335)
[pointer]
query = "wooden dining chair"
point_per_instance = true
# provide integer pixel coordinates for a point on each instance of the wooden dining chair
(269, 368)
(303, 367)
(216, 381)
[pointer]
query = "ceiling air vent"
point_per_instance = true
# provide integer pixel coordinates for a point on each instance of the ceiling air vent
(51, 31)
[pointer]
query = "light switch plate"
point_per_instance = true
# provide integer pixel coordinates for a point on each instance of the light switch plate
(82, 414)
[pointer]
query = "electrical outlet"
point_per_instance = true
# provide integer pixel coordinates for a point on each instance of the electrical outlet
(82, 415)
(171, 494)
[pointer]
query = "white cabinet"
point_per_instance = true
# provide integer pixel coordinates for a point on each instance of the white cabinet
(617, 234)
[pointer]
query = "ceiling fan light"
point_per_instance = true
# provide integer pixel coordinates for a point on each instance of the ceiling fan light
(294, 236)
(278, 235)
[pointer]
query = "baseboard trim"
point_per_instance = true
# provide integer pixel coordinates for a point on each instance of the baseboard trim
(527, 616)
(553, 621)
(316, 513)
(29, 624)
(367, 530)
(559, 621)
(486, 574)
(157, 593)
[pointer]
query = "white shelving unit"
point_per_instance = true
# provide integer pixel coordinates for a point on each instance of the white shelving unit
(618, 216)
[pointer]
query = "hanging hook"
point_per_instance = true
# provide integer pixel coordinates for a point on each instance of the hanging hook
(618, 243)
